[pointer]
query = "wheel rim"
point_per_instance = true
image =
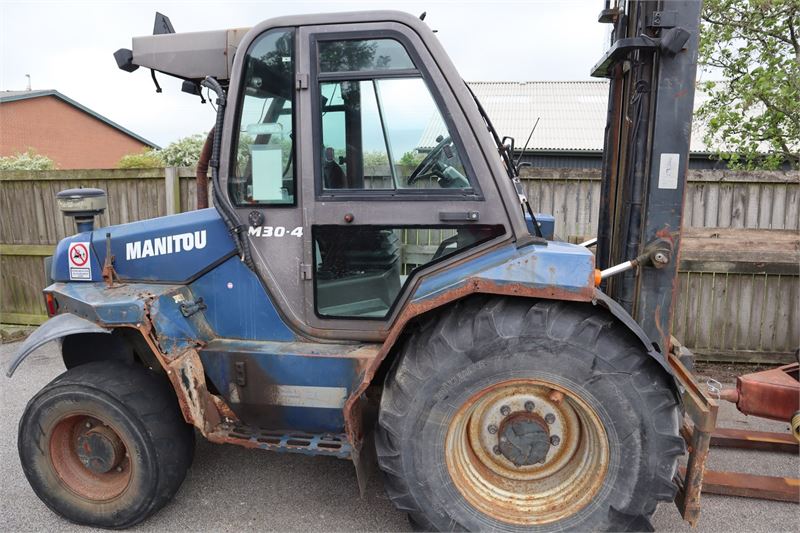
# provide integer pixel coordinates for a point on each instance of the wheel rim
(90, 457)
(527, 452)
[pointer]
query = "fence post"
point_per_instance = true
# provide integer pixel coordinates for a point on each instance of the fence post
(173, 190)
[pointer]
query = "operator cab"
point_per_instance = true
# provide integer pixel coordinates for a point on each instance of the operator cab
(355, 156)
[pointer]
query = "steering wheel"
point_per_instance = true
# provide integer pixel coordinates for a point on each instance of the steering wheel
(431, 166)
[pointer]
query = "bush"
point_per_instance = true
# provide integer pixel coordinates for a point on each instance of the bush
(184, 152)
(29, 160)
(146, 159)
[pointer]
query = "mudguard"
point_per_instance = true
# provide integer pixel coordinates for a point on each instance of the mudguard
(619, 312)
(55, 328)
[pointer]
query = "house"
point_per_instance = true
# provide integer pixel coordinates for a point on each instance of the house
(72, 135)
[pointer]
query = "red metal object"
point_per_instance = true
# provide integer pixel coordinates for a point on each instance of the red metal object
(773, 393)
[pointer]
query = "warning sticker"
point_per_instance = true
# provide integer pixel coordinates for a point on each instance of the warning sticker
(80, 267)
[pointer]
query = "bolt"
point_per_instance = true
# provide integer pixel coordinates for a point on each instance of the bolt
(660, 258)
(549, 418)
(496, 450)
(492, 429)
(119, 469)
(88, 425)
(555, 440)
(505, 410)
(556, 396)
(529, 405)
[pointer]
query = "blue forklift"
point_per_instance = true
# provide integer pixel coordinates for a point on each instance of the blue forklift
(500, 379)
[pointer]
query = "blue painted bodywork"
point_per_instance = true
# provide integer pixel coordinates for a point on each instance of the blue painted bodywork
(556, 266)
(273, 363)
(155, 249)
(237, 322)
(238, 305)
(547, 225)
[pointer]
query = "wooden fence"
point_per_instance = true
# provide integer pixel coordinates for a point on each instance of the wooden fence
(728, 309)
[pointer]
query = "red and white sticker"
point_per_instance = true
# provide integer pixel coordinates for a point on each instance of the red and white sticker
(80, 264)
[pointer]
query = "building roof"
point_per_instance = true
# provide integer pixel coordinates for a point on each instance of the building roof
(13, 96)
(572, 114)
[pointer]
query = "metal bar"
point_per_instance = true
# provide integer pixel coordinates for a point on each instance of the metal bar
(754, 440)
(702, 413)
(782, 489)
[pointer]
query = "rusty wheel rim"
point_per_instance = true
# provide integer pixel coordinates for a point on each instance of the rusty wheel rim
(90, 458)
(527, 452)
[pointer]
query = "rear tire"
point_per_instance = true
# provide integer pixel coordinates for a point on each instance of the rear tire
(474, 367)
(104, 444)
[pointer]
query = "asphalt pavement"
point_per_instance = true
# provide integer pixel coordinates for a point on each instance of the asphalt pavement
(230, 488)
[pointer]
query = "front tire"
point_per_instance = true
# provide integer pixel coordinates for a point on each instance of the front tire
(519, 415)
(104, 444)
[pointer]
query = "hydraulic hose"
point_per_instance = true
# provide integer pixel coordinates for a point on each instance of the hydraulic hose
(220, 202)
(202, 171)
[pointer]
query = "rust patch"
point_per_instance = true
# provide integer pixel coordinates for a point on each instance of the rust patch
(187, 377)
(185, 373)
(352, 415)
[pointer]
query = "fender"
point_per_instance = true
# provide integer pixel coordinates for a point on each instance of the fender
(57, 327)
(623, 316)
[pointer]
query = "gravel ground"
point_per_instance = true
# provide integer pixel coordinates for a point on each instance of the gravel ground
(232, 489)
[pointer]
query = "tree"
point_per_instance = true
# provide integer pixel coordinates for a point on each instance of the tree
(753, 114)
(29, 160)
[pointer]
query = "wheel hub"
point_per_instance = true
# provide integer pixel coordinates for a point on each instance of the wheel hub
(524, 439)
(90, 457)
(99, 449)
(527, 452)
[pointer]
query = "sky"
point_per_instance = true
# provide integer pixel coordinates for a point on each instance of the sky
(68, 46)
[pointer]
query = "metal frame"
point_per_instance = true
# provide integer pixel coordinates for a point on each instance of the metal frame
(648, 128)
(697, 428)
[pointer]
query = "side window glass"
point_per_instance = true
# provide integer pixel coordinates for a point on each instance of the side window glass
(262, 172)
(360, 270)
(380, 132)
(363, 55)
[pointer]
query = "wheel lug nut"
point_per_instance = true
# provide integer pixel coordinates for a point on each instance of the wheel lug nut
(555, 440)
(550, 418)
(529, 405)
(496, 450)
(505, 410)
(492, 429)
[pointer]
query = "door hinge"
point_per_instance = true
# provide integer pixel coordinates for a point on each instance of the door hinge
(189, 308)
(301, 81)
(305, 271)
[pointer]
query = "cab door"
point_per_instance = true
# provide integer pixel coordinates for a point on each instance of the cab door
(263, 178)
(392, 183)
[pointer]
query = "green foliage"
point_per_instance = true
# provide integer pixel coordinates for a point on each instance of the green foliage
(29, 160)
(411, 159)
(376, 160)
(184, 152)
(146, 159)
(753, 114)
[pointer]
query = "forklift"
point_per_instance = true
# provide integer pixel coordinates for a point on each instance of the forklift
(503, 380)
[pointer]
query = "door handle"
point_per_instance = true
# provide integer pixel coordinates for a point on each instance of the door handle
(461, 216)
